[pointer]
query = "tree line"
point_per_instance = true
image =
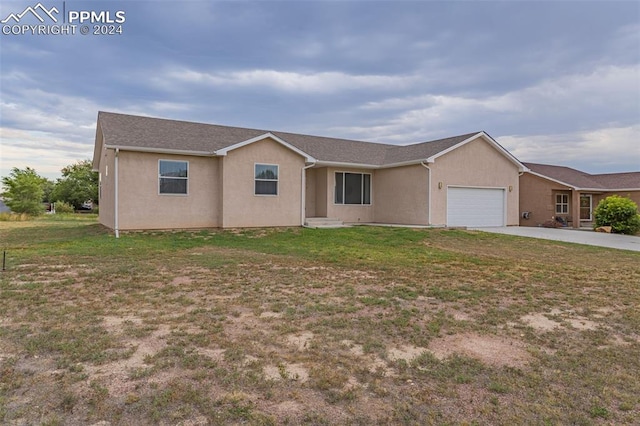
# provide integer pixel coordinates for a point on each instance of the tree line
(25, 191)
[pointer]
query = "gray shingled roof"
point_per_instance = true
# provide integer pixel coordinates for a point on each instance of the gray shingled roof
(154, 133)
(583, 180)
(148, 133)
(626, 180)
(399, 154)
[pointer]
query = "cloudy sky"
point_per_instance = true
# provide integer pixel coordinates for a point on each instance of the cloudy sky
(553, 82)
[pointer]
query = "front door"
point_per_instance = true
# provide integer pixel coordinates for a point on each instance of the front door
(585, 207)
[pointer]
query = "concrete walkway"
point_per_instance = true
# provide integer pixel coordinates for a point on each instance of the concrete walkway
(616, 241)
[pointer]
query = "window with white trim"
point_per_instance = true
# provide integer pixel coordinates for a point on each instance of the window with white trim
(353, 188)
(266, 179)
(173, 177)
(562, 203)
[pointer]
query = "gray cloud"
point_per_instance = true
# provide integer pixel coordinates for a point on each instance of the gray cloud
(552, 81)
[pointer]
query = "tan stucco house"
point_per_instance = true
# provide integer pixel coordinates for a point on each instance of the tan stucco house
(548, 192)
(160, 174)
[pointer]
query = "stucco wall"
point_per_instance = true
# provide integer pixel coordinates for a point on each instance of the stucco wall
(321, 182)
(537, 196)
(310, 192)
(348, 213)
(401, 195)
(241, 207)
(106, 200)
(476, 164)
(142, 207)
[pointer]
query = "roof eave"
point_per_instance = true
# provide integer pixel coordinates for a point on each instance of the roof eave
(161, 150)
(608, 189)
(405, 163)
(321, 163)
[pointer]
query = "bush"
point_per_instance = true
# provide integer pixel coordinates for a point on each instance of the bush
(13, 217)
(62, 207)
(620, 213)
(24, 191)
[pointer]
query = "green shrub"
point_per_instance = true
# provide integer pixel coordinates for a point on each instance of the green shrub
(62, 207)
(24, 191)
(620, 213)
(13, 217)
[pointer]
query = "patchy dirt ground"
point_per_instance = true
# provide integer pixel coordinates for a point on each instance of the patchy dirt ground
(233, 336)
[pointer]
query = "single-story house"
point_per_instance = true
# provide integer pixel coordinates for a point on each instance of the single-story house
(160, 174)
(549, 192)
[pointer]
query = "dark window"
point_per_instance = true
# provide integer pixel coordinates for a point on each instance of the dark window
(173, 176)
(353, 188)
(266, 179)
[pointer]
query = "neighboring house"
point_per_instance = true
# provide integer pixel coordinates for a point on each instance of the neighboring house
(549, 192)
(160, 174)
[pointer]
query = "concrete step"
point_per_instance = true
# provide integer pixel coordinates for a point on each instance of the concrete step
(323, 222)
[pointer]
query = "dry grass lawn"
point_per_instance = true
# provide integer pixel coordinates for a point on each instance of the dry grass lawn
(359, 325)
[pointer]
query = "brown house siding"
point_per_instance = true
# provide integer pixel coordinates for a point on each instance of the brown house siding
(537, 196)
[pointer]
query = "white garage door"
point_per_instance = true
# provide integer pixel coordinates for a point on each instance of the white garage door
(475, 207)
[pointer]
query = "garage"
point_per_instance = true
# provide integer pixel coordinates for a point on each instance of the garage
(475, 207)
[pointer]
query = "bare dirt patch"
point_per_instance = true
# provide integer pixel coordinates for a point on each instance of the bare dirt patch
(373, 362)
(289, 408)
(491, 350)
(117, 373)
(460, 315)
(214, 354)
(300, 341)
(268, 314)
(407, 353)
(540, 322)
(242, 322)
(353, 348)
(582, 323)
(296, 372)
(182, 280)
(114, 323)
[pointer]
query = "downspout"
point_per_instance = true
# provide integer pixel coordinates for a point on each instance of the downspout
(429, 195)
(115, 176)
(303, 193)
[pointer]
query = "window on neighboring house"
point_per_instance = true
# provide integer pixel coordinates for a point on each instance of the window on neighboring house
(353, 188)
(562, 203)
(173, 176)
(266, 179)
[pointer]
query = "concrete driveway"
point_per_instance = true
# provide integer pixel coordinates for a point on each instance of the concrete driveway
(616, 241)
